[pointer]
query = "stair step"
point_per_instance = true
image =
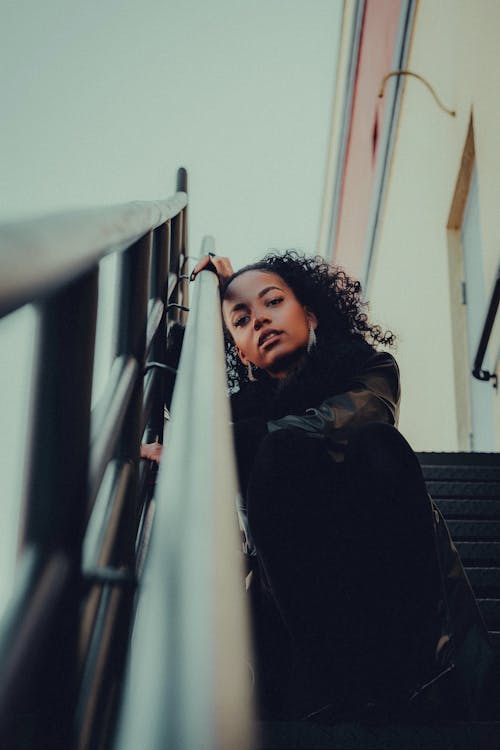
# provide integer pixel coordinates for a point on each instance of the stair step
(459, 459)
(495, 640)
(462, 473)
(490, 610)
(474, 531)
(479, 552)
(484, 578)
(464, 489)
(357, 735)
(468, 508)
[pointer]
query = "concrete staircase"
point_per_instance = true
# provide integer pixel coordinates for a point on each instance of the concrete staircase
(466, 489)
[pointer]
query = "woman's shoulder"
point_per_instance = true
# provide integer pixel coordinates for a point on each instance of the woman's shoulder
(380, 359)
(380, 373)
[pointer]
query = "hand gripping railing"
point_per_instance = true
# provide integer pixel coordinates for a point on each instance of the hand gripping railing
(489, 322)
(63, 637)
(188, 678)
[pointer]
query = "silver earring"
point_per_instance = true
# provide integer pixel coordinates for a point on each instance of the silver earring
(312, 338)
(250, 374)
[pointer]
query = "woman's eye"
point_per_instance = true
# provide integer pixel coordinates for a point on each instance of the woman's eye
(241, 321)
(275, 301)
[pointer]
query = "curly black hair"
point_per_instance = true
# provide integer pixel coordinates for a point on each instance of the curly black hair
(326, 290)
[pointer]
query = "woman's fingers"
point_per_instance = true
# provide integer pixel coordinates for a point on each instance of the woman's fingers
(222, 266)
(203, 263)
(151, 451)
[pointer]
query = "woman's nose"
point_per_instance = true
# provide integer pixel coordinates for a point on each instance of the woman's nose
(260, 320)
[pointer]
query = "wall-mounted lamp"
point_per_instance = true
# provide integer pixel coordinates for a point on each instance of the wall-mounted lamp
(450, 112)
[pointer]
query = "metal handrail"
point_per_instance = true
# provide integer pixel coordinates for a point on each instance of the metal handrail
(489, 322)
(188, 659)
(63, 657)
(39, 256)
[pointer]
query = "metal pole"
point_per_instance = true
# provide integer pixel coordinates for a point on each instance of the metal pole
(111, 631)
(190, 643)
(57, 488)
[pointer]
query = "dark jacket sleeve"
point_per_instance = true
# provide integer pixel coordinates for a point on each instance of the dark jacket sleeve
(373, 396)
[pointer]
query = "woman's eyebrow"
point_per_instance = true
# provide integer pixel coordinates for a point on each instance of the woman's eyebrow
(244, 306)
(238, 306)
(266, 290)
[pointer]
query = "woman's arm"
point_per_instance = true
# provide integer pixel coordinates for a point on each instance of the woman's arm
(373, 397)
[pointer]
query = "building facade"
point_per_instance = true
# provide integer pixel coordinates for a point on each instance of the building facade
(411, 201)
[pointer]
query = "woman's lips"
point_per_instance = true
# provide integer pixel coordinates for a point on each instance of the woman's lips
(268, 338)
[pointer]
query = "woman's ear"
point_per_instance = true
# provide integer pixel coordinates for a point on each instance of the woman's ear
(311, 318)
(241, 355)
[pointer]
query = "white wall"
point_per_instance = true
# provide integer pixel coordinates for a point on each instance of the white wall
(102, 100)
(455, 47)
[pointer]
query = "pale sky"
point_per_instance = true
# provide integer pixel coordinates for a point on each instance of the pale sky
(105, 101)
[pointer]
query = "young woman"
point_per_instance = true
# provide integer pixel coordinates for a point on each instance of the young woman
(346, 583)
(346, 596)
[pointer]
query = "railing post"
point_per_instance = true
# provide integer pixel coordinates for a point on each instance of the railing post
(56, 494)
(103, 669)
(178, 259)
(188, 661)
(131, 340)
(182, 186)
(160, 263)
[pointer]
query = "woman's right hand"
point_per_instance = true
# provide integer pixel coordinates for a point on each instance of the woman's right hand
(222, 266)
(151, 451)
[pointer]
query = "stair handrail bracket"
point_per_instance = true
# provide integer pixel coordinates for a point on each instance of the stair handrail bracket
(489, 322)
(41, 255)
(190, 641)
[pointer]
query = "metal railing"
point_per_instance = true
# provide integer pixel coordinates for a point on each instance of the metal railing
(189, 678)
(489, 322)
(64, 636)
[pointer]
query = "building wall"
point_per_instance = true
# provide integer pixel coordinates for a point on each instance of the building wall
(455, 47)
(377, 45)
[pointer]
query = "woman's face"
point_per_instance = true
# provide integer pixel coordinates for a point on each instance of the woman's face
(269, 326)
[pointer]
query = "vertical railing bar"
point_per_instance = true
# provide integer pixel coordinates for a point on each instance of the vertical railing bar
(192, 610)
(175, 253)
(61, 422)
(57, 488)
(182, 184)
(105, 439)
(178, 248)
(132, 312)
(131, 339)
(160, 260)
(154, 324)
(100, 646)
(153, 383)
(100, 548)
(30, 631)
(160, 264)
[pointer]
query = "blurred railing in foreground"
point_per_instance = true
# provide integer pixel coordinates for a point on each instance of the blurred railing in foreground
(65, 632)
(188, 679)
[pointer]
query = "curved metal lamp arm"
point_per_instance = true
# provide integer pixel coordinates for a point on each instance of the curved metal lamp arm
(401, 72)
